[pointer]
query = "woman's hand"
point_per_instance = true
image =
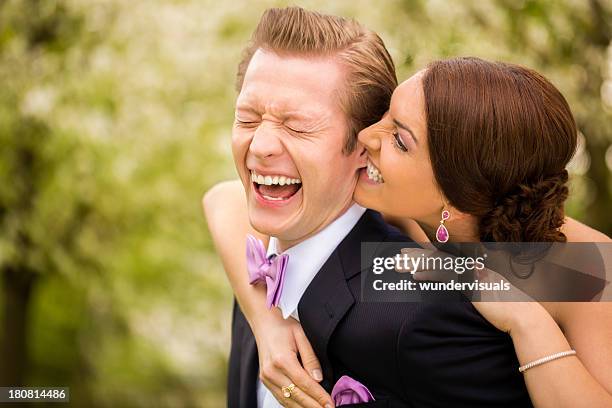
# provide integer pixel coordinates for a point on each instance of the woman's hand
(510, 317)
(279, 343)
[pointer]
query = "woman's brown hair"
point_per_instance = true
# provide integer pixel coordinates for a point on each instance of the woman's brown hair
(500, 136)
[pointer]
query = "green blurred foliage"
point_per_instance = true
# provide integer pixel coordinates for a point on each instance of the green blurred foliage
(115, 117)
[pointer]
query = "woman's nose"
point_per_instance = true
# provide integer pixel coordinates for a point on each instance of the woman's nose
(370, 137)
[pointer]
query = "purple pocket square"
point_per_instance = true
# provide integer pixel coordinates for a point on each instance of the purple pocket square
(349, 391)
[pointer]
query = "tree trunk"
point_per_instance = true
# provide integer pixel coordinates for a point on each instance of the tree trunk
(17, 286)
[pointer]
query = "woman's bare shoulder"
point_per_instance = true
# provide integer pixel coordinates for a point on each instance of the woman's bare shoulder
(225, 191)
(224, 203)
(567, 313)
(575, 231)
(225, 210)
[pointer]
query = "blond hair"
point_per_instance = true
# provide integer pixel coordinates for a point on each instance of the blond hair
(370, 78)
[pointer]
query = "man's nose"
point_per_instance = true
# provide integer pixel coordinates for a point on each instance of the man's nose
(266, 142)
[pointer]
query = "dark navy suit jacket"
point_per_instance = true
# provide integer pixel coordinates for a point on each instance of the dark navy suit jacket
(408, 354)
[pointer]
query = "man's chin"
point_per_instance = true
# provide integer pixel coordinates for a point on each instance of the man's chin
(268, 221)
(269, 227)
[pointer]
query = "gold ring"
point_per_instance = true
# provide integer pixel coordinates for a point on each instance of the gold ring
(288, 390)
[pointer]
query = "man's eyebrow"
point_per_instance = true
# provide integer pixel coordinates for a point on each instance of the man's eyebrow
(301, 115)
(406, 128)
(244, 105)
(246, 110)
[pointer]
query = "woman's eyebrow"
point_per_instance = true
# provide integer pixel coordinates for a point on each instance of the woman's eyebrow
(406, 128)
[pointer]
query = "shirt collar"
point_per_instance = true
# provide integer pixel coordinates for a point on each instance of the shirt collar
(307, 257)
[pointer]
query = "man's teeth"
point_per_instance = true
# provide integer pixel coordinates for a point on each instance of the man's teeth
(374, 173)
(273, 180)
(273, 198)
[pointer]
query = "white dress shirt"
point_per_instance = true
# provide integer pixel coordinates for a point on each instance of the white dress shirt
(305, 260)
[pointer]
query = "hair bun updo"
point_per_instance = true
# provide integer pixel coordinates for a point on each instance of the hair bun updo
(529, 213)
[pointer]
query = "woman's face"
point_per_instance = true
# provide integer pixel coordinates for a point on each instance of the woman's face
(399, 179)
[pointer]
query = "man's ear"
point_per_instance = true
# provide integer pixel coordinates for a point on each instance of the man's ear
(362, 155)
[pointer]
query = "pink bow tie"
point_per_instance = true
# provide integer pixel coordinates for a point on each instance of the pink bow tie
(270, 271)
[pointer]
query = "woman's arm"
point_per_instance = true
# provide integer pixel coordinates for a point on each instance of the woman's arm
(538, 330)
(585, 381)
(226, 214)
(279, 341)
(577, 381)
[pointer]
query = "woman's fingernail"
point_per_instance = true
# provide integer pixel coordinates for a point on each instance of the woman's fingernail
(328, 406)
(317, 375)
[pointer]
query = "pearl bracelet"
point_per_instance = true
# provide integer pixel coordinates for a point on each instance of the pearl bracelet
(546, 359)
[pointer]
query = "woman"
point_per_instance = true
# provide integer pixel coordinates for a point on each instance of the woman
(480, 148)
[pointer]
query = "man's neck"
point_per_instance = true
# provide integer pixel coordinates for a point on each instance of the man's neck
(283, 245)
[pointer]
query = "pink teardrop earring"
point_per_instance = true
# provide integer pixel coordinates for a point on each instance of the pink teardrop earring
(442, 234)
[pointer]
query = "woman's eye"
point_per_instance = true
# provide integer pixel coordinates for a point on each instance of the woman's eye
(399, 143)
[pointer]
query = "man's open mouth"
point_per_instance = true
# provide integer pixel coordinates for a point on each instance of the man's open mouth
(277, 188)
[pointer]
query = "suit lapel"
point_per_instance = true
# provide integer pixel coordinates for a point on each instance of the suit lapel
(328, 298)
(325, 302)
